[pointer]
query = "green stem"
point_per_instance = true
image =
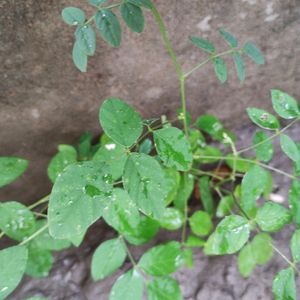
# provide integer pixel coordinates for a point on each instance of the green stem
(255, 162)
(39, 202)
(38, 232)
(269, 138)
(201, 64)
(183, 104)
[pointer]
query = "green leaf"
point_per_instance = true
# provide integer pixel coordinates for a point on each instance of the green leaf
(66, 156)
(239, 65)
(206, 196)
(246, 260)
(225, 206)
(161, 260)
(120, 121)
(108, 258)
(295, 246)
(12, 267)
(144, 232)
(121, 212)
(228, 37)
(97, 2)
(142, 3)
(11, 168)
(144, 179)
(265, 150)
(86, 39)
(187, 258)
(173, 148)
(207, 155)
(130, 286)
(165, 288)
(193, 241)
(289, 147)
(240, 165)
(16, 220)
(201, 223)
(172, 219)
(76, 200)
(173, 182)
(146, 146)
(45, 241)
(39, 262)
(109, 27)
(220, 69)
(85, 146)
(284, 286)
(254, 53)
(294, 196)
(253, 185)
(73, 16)
(203, 44)
(79, 57)
(272, 217)
(263, 119)
(133, 17)
(185, 190)
(229, 237)
(196, 139)
(115, 156)
(285, 105)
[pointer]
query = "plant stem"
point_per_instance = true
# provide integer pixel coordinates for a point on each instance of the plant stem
(255, 162)
(269, 138)
(38, 232)
(201, 64)
(183, 104)
(41, 201)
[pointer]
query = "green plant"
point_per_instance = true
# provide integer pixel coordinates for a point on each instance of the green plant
(138, 186)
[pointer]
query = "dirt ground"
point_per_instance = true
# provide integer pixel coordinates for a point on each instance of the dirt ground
(212, 278)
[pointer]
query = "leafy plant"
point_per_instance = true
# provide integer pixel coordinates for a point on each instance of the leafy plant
(141, 174)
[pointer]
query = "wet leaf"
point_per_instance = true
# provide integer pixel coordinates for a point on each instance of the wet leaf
(173, 148)
(161, 260)
(239, 65)
(295, 246)
(73, 16)
(114, 155)
(77, 198)
(120, 121)
(220, 69)
(129, 286)
(66, 156)
(263, 119)
(265, 150)
(165, 288)
(254, 53)
(289, 147)
(201, 223)
(272, 217)
(86, 39)
(12, 267)
(144, 180)
(108, 258)
(285, 105)
(109, 27)
(172, 219)
(229, 237)
(11, 168)
(203, 44)
(284, 286)
(253, 185)
(228, 37)
(133, 16)
(16, 220)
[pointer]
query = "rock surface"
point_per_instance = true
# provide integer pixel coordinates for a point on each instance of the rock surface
(45, 101)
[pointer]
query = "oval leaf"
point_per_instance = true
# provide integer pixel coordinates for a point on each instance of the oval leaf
(133, 17)
(264, 149)
(73, 16)
(203, 44)
(254, 53)
(289, 147)
(120, 121)
(239, 65)
(201, 223)
(80, 59)
(86, 39)
(172, 219)
(284, 286)
(295, 246)
(220, 69)
(173, 148)
(263, 119)
(165, 288)
(229, 38)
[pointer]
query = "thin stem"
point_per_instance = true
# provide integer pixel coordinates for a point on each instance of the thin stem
(38, 232)
(183, 104)
(201, 64)
(39, 202)
(255, 162)
(269, 138)
(2, 234)
(184, 226)
(40, 214)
